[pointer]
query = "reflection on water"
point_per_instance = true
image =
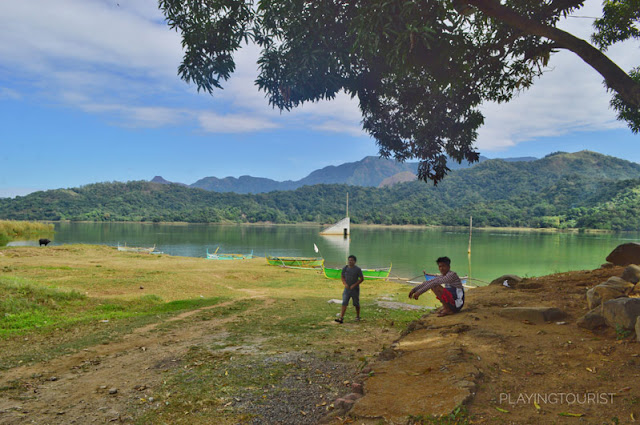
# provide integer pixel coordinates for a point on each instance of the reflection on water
(410, 250)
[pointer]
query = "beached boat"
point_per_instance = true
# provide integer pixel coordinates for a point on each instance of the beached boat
(369, 274)
(216, 256)
(296, 262)
(142, 250)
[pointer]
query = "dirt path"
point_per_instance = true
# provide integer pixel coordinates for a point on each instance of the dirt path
(79, 388)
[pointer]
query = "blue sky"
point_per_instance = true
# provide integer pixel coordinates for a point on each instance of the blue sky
(89, 92)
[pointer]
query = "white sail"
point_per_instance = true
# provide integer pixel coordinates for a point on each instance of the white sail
(341, 228)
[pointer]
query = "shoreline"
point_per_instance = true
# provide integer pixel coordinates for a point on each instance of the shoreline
(361, 225)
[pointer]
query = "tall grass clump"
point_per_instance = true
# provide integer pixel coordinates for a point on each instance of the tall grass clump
(11, 229)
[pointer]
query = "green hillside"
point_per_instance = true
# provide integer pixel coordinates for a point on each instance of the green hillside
(582, 189)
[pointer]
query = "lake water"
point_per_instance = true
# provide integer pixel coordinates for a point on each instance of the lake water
(493, 252)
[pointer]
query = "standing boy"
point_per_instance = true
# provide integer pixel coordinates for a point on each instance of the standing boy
(451, 296)
(352, 277)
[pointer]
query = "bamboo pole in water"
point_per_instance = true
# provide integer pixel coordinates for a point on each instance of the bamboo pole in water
(470, 230)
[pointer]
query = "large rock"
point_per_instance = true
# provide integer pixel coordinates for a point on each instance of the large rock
(631, 274)
(592, 320)
(613, 288)
(625, 254)
(533, 314)
(622, 312)
(511, 279)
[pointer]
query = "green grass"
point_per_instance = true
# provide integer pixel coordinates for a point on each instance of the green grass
(459, 416)
(27, 306)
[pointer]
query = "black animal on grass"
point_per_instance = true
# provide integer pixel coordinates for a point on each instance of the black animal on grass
(44, 241)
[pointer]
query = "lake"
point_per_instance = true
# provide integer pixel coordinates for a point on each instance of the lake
(493, 252)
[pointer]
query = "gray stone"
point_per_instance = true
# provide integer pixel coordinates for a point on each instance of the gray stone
(621, 312)
(631, 274)
(625, 254)
(533, 314)
(113, 391)
(592, 320)
(511, 279)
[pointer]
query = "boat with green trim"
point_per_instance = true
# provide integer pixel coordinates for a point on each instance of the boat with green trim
(296, 262)
(369, 274)
(216, 256)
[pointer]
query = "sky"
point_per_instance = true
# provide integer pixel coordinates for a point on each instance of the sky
(89, 92)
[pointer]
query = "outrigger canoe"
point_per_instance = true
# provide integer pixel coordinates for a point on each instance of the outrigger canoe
(297, 262)
(142, 250)
(369, 274)
(216, 256)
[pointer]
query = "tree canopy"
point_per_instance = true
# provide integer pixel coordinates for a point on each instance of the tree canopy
(419, 69)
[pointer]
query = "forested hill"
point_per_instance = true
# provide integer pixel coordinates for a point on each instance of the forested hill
(582, 189)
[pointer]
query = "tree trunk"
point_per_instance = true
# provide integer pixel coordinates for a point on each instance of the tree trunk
(617, 79)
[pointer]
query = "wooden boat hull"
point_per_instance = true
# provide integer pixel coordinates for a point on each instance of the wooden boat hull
(216, 256)
(140, 250)
(369, 274)
(298, 262)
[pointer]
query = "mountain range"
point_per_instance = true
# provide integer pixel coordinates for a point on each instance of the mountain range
(368, 172)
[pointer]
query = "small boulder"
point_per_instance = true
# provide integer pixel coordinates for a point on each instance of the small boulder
(357, 388)
(631, 274)
(622, 312)
(613, 288)
(533, 314)
(592, 320)
(352, 396)
(625, 254)
(511, 279)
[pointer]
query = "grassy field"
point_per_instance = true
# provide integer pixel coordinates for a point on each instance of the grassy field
(243, 326)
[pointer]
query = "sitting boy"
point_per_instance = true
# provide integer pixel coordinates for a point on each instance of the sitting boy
(451, 296)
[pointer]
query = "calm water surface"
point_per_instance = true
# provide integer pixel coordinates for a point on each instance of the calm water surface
(493, 253)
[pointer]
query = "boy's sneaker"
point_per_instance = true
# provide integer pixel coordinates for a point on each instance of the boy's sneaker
(339, 320)
(358, 319)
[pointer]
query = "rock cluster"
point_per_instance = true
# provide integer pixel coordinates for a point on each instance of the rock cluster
(612, 303)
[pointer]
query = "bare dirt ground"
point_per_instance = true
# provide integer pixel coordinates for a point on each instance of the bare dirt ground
(510, 371)
(79, 388)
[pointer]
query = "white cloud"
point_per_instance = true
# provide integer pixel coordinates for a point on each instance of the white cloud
(120, 61)
(7, 93)
(569, 97)
(233, 123)
(335, 126)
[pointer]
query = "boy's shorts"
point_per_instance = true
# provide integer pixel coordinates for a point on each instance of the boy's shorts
(354, 294)
(453, 297)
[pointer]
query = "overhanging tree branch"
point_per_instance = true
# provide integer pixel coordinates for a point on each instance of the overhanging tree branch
(615, 78)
